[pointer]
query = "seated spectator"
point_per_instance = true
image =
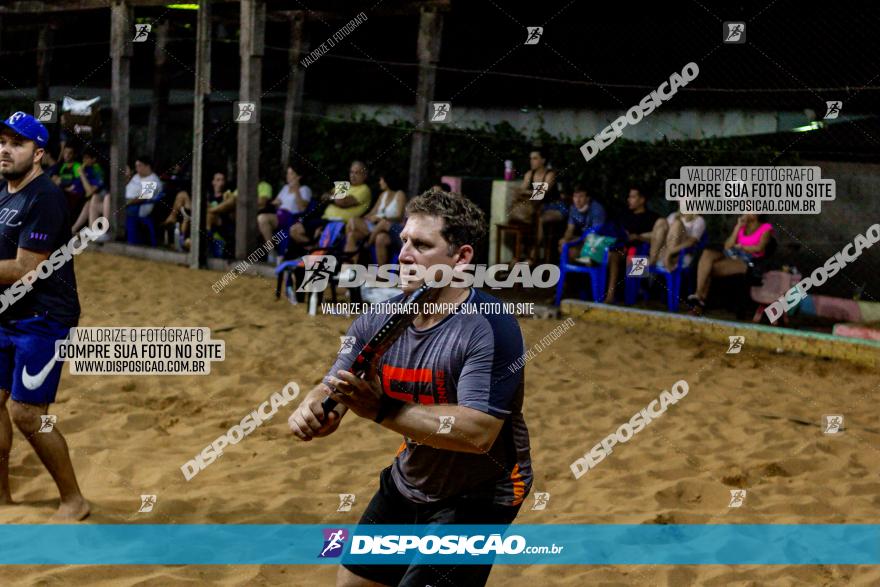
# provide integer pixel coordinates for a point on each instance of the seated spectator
(382, 220)
(550, 209)
(264, 195)
(221, 203)
(291, 201)
(177, 183)
(91, 178)
(679, 231)
(638, 223)
(584, 213)
(745, 246)
(66, 176)
(135, 188)
(353, 205)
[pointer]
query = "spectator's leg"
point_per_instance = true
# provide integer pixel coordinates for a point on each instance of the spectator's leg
(82, 218)
(355, 231)
(298, 234)
(268, 224)
(179, 201)
(658, 239)
(383, 246)
(106, 206)
(705, 271)
(674, 238)
(615, 260)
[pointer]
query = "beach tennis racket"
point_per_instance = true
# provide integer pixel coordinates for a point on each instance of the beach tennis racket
(394, 326)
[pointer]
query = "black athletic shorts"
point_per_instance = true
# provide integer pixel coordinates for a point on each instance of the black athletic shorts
(389, 506)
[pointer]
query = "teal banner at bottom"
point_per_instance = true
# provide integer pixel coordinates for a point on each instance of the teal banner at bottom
(555, 544)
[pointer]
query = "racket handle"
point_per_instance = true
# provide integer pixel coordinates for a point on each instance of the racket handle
(328, 404)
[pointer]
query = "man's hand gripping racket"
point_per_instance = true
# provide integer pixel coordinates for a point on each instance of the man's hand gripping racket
(394, 327)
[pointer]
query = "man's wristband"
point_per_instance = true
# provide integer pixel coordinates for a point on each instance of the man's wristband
(387, 406)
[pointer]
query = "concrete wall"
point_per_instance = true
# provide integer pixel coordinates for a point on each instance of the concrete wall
(572, 122)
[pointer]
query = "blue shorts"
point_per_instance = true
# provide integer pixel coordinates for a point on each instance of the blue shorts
(28, 367)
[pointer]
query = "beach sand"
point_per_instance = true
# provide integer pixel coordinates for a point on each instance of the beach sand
(750, 420)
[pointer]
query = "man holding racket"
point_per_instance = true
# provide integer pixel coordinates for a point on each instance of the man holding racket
(475, 469)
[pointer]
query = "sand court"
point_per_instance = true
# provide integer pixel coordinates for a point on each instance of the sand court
(749, 421)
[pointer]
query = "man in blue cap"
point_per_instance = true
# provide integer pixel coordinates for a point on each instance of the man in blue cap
(34, 222)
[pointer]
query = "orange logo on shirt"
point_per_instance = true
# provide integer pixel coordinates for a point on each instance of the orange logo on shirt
(414, 385)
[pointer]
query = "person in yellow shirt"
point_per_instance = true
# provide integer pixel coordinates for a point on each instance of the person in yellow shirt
(354, 205)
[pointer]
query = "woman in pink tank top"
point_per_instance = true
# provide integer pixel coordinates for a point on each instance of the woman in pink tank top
(747, 242)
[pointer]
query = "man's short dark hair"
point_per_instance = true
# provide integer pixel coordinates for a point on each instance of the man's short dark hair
(146, 160)
(463, 221)
(640, 190)
(90, 152)
(579, 187)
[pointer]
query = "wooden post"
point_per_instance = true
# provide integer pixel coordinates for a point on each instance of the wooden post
(158, 107)
(253, 24)
(293, 104)
(428, 48)
(121, 32)
(198, 250)
(44, 59)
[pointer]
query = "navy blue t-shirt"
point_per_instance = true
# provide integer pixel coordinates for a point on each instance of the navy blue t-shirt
(37, 218)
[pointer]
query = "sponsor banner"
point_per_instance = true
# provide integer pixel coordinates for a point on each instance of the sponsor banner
(578, 544)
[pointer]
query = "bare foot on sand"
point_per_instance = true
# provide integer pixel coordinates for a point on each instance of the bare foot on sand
(73, 510)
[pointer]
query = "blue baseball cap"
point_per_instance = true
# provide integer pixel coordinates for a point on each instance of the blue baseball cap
(29, 127)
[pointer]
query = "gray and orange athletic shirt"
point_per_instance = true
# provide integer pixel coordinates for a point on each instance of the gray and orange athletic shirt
(466, 360)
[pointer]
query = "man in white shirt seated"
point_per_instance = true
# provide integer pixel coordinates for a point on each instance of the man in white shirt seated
(144, 185)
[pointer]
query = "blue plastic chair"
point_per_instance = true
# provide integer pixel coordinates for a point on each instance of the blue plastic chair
(598, 273)
(674, 277)
(327, 245)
